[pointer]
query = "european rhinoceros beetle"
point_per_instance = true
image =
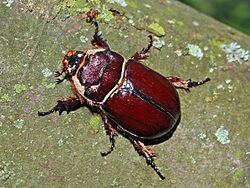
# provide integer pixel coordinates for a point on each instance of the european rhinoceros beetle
(132, 99)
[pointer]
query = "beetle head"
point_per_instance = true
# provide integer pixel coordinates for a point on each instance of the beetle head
(71, 62)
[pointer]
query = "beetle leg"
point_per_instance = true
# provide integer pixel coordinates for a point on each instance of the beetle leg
(58, 73)
(185, 84)
(148, 154)
(111, 132)
(66, 104)
(97, 40)
(143, 53)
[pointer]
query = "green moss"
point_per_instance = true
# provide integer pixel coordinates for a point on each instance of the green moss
(169, 10)
(216, 42)
(95, 121)
(132, 4)
(73, 7)
(18, 88)
(157, 28)
(180, 23)
(239, 173)
(106, 15)
(239, 154)
(5, 98)
(50, 86)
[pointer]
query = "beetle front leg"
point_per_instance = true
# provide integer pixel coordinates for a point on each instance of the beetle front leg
(148, 154)
(97, 40)
(111, 132)
(143, 53)
(185, 84)
(66, 104)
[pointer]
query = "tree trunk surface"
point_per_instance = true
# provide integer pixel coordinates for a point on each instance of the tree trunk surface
(210, 147)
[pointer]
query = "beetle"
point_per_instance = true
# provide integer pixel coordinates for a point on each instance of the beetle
(132, 99)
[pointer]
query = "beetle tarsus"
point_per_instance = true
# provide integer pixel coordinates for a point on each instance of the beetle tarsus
(185, 84)
(67, 104)
(97, 40)
(46, 113)
(143, 53)
(112, 141)
(151, 162)
(194, 84)
(59, 80)
(148, 154)
(111, 132)
(58, 73)
(91, 15)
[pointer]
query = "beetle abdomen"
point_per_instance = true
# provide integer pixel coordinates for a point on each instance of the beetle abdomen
(146, 106)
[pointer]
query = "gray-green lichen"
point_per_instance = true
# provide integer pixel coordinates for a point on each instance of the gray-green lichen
(178, 52)
(202, 136)
(19, 123)
(195, 51)
(158, 42)
(6, 170)
(222, 135)
(46, 72)
(120, 2)
(83, 39)
(63, 151)
(234, 53)
(8, 3)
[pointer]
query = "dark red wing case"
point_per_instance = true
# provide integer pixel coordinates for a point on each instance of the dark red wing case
(147, 105)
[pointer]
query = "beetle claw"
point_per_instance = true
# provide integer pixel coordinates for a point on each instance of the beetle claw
(91, 15)
(66, 104)
(143, 53)
(58, 80)
(45, 113)
(111, 132)
(58, 73)
(148, 154)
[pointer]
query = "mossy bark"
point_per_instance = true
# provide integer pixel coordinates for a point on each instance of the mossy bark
(211, 145)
